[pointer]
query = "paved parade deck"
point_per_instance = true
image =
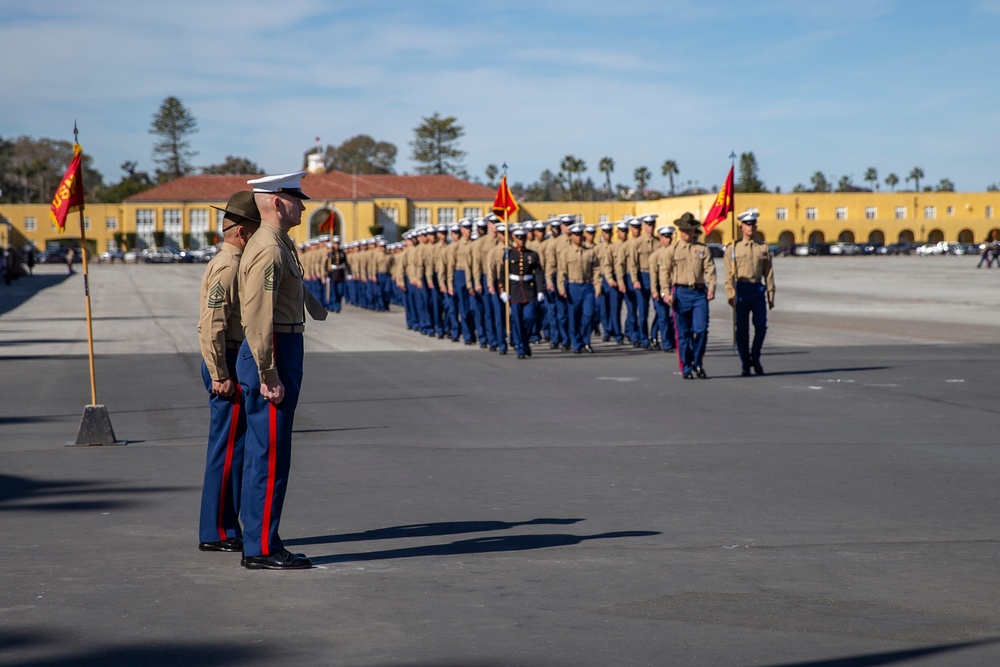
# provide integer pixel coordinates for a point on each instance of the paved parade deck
(468, 509)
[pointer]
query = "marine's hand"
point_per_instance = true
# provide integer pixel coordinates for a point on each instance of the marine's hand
(711, 294)
(273, 391)
(223, 388)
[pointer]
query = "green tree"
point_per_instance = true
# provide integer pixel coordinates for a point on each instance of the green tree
(669, 169)
(361, 154)
(845, 184)
(173, 124)
(234, 165)
(749, 176)
(573, 169)
(606, 166)
(132, 183)
(915, 175)
(892, 180)
(435, 145)
(492, 171)
(30, 170)
(819, 182)
(945, 185)
(641, 176)
(871, 177)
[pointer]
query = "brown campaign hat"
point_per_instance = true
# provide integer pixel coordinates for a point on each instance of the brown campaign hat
(688, 223)
(242, 204)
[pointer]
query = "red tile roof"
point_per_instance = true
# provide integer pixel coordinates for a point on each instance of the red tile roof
(332, 185)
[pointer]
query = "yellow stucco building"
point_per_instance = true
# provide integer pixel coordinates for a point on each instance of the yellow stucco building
(180, 213)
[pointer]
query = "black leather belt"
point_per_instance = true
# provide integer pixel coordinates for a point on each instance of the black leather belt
(288, 328)
(691, 286)
(752, 281)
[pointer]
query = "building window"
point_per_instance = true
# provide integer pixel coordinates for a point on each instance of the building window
(172, 227)
(86, 223)
(220, 220)
(111, 245)
(950, 210)
(781, 213)
(989, 211)
(111, 223)
(472, 213)
(421, 217)
(197, 225)
(145, 224)
(900, 213)
(871, 213)
(811, 213)
(30, 224)
(446, 216)
(930, 212)
(840, 213)
(603, 218)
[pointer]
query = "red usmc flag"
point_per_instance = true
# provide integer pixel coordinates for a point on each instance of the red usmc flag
(504, 204)
(722, 207)
(69, 194)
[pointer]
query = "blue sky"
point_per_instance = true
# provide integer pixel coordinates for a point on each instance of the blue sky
(831, 86)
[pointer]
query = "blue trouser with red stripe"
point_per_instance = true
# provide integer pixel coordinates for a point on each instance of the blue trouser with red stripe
(220, 494)
(268, 450)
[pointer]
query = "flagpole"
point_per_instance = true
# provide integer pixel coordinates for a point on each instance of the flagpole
(506, 263)
(95, 425)
(732, 228)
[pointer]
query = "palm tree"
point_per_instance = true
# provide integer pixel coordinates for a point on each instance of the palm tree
(892, 180)
(819, 182)
(606, 166)
(669, 169)
(491, 173)
(641, 176)
(915, 176)
(573, 166)
(871, 176)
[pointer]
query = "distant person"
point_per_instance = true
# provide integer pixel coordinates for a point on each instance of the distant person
(991, 250)
(70, 256)
(750, 290)
(220, 333)
(31, 261)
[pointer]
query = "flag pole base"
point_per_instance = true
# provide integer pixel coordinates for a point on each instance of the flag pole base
(95, 429)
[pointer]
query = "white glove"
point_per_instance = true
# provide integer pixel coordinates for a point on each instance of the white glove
(504, 297)
(541, 297)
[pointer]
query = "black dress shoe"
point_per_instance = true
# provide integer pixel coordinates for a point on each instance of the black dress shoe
(700, 372)
(669, 349)
(689, 375)
(588, 349)
(503, 351)
(566, 348)
(232, 544)
(527, 350)
(283, 560)
(745, 373)
(757, 368)
(483, 345)
(606, 338)
(577, 351)
(553, 346)
(493, 348)
(521, 356)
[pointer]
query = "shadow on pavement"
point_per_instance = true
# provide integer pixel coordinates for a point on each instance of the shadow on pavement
(162, 654)
(20, 494)
(427, 530)
(481, 545)
(18, 292)
(890, 657)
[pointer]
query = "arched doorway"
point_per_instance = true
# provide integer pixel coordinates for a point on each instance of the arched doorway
(817, 237)
(759, 237)
(905, 236)
(966, 236)
(876, 236)
(326, 220)
(714, 237)
(786, 240)
(936, 236)
(846, 236)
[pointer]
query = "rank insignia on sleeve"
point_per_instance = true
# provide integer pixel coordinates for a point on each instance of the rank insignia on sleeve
(216, 295)
(271, 278)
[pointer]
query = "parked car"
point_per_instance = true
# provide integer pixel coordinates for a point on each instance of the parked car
(112, 256)
(158, 256)
(717, 249)
(132, 256)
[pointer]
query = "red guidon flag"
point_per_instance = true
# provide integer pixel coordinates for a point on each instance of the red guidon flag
(327, 225)
(69, 194)
(504, 204)
(722, 207)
